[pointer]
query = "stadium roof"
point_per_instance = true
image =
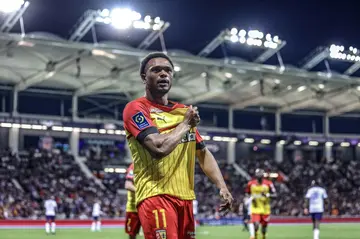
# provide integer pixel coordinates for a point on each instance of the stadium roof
(43, 60)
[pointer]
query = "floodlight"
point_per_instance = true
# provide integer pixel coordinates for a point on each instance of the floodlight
(313, 143)
(297, 142)
(345, 144)
(242, 40)
(249, 140)
(157, 20)
(228, 75)
(265, 141)
(253, 38)
(147, 19)
(11, 6)
(105, 13)
(234, 38)
(338, 52)
(204, 75)
(242, 33)
(124, 18)
(301, 88)
(120, 18)
(234, 31)
(329, 144)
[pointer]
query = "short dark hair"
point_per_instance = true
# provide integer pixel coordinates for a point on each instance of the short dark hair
(152, 56)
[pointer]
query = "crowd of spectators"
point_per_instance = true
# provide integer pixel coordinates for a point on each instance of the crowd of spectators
(28, 178)
(34, 176)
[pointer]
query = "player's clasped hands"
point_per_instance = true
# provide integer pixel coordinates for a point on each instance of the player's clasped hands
(227, 201)
(192, 116)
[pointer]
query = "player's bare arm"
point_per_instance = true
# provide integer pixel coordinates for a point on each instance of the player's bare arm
(129, 185)
(273, 193)
(161, 145)
(306, 206)
(210, 167)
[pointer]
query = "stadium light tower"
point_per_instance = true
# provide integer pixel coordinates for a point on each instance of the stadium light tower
(335, 52)
(253, 38)
(351, 54)
(13, 10)
(121, 19)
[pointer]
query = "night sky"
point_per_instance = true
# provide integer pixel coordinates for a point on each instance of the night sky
(303, 24)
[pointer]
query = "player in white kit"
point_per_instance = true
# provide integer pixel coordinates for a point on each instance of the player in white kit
(195, 209)
(50, 212)
(96, 212)
(246, 209)
(314, 204)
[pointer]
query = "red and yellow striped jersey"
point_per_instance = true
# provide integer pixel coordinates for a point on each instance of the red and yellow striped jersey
(260, 203)
(173, 174)
(130, 204)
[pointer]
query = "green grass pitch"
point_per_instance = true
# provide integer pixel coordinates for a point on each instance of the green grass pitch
(328, 231)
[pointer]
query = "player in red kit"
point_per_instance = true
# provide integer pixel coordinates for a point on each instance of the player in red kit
(164, 142)
(260, 190)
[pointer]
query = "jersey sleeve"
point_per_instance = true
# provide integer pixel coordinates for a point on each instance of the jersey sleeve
(308, 194)
(200, 144)
(137, 121)
(325, 194)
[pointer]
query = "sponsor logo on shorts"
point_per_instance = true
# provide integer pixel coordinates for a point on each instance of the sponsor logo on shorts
(191, 234)
(160, 234)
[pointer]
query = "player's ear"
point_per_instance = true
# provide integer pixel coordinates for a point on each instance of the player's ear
(143, 77)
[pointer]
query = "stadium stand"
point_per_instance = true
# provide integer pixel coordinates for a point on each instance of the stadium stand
(42, 173)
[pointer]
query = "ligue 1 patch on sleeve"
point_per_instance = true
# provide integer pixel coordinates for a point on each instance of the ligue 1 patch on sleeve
(140, 120)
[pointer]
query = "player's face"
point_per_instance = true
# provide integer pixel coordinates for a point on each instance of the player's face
(158, 76)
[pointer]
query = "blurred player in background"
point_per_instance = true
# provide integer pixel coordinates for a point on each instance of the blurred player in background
(260, 190)
(96, 213)
(314, 203)
(164, 142)
(50, 213)
(195, 210)
(246, 209)
(132, 220)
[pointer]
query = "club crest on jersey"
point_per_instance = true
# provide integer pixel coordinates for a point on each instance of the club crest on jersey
(188, 137)
(160, 234)
(140, 120)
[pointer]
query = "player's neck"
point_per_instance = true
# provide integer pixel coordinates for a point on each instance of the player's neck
(158, 99)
